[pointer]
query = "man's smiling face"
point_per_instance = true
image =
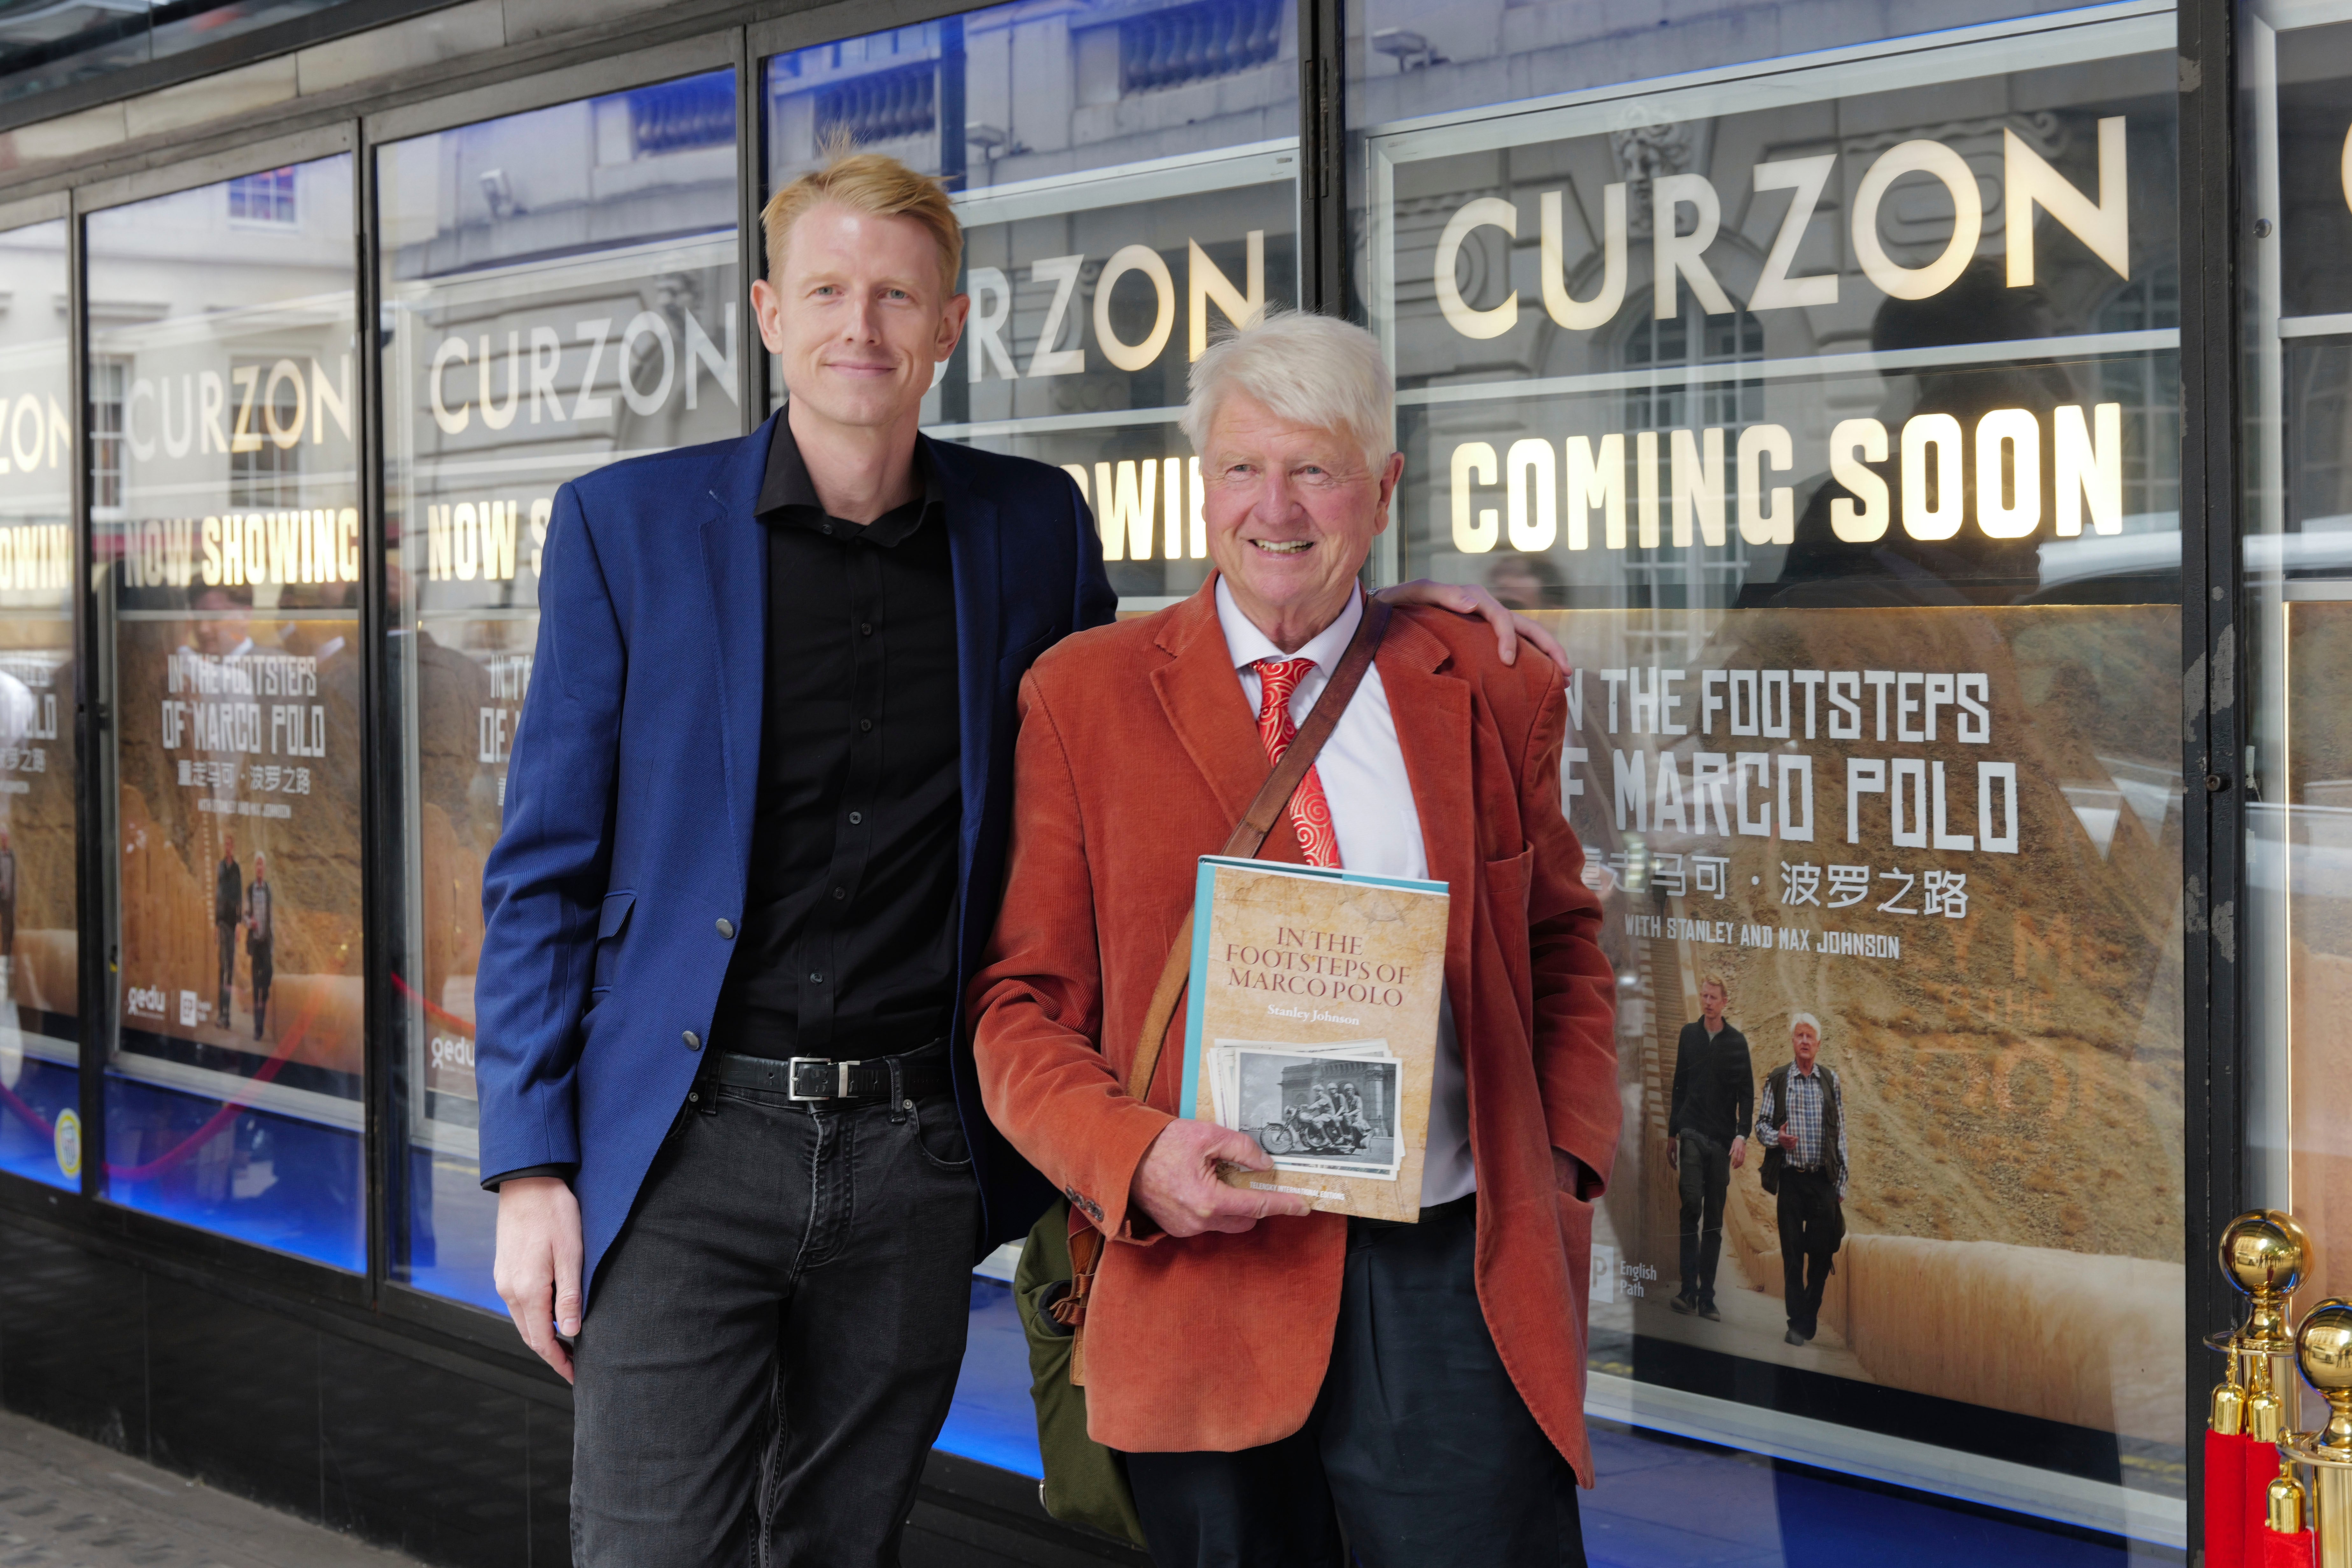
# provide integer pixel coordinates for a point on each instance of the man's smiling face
(1292, 511)
(859, 315)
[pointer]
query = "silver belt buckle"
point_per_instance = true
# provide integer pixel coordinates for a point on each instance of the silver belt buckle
(831, 1076)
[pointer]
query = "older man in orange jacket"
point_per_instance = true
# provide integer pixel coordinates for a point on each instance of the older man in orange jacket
(1275, 1377)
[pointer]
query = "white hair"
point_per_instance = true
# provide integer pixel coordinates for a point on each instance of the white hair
(1316, 370)
(1806, 1018)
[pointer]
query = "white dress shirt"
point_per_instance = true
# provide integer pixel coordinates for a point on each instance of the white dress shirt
(1373, 813)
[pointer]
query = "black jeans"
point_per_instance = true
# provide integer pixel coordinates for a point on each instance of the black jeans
(774, 1338)
(1813, 1223)
(1705, 1168)
(227, 935)
(265, 966)
(1419, 1447)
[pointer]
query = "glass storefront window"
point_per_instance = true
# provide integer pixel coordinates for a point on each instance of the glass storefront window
(226, 531)
(1828, 407)
(2296, 293)
(40, 1023)
(561, 290)
(1128, 184)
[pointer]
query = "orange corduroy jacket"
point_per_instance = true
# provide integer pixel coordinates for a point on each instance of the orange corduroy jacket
(1138, 752)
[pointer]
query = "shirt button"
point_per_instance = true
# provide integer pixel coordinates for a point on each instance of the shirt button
(727, 929)
(816, 978)
(865, 628)
(855, 817)
(693, 1041)
(841, 892)
(866, 723)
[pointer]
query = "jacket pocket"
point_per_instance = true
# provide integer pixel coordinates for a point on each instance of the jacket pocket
(1507, 883)
(611, 922)
(1508, 893)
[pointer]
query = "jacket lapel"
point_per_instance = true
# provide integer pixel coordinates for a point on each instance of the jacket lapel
(735, 569)
(1204, 703)
(1432, 722)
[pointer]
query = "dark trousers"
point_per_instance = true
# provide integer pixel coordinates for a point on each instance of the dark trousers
(1419, 1448)
(227, 971)
(773, 1341)
(1704, 1167)
(1813, 1223)
(265, 968)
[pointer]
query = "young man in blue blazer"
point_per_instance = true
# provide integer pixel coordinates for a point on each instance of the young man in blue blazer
(754, 838)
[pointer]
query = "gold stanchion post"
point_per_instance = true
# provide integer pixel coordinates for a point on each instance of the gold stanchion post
(2322, 1349)
(2262, 1254)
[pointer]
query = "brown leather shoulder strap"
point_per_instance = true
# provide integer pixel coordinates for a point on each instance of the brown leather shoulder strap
(1249, 834)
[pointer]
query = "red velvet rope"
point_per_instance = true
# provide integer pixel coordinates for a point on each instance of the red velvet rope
(28, 1112)
(442, 1014)
(229, 1110)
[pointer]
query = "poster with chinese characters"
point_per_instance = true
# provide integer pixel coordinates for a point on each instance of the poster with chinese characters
(238, 803)
(1942, 843)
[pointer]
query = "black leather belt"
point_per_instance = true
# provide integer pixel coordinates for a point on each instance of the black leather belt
(910, 1075)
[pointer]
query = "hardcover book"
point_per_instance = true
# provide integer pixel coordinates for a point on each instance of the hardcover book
(1313, 1026)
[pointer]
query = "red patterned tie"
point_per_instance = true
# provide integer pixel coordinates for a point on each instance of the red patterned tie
(1278, 678)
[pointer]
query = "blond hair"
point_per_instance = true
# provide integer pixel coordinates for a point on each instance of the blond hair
(1715, 981)
(1316, 370)
(867, 183)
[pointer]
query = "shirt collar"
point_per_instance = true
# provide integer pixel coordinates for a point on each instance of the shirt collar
(1246, 645)
(787, 494)
(1812, 1072)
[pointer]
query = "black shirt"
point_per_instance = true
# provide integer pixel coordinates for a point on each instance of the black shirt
(1715, 1084)
(847, 948)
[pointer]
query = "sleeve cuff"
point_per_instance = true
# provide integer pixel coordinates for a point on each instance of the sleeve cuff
(491, 1183)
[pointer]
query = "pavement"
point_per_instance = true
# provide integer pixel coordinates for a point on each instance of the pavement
(66, 1503)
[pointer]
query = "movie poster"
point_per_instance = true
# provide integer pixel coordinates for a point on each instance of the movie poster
(238, 794)
(40, 945)
(39, 941)
(1949, 841)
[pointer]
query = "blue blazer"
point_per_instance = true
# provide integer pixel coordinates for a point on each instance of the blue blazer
(627, 835)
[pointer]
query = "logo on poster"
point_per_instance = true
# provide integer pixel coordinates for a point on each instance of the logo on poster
(145, 1001)
(67, 1142)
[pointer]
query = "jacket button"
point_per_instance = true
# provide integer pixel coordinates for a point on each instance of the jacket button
(727, 929)
(693, 1041)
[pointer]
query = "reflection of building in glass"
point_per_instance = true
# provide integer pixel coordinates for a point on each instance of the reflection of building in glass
(107, 378)
(2149, 390)
(676, 116)
(1197, 43)
(267, 197)
(1004, 95)
(265, 472)
(1689, 389)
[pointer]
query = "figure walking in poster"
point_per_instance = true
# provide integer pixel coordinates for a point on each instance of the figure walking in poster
(1707, 1126)
(1802, 1116)
(260, 932)
(229, 913)
(7, 898)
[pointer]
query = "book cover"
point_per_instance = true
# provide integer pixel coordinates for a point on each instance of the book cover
(1313, 1026)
